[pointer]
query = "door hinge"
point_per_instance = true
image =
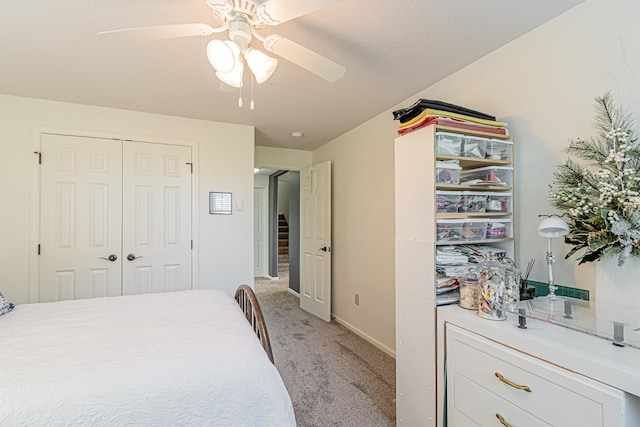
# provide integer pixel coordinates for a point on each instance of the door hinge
(39, 153)
(190, 164)
(192, 244)
(38, 249)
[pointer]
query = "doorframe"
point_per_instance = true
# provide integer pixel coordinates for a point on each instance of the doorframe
(272, 263)
(34, 210)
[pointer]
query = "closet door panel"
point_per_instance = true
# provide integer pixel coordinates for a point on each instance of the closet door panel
(80, 217)
(156, 218)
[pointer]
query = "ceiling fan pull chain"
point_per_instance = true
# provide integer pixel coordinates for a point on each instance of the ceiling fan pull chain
(240, 97)
(252, 105)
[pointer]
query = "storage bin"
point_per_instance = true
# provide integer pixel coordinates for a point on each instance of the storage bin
(447, 173)
(498, 228)
(448, 144)
(499, 202)
(449, 230)
(497, 149)
(488, 176)
(474, 146)
(474, 229)
(474, 202)
(447, 201)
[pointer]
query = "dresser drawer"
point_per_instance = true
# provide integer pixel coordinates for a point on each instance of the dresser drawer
(475, 406)
(548, 393)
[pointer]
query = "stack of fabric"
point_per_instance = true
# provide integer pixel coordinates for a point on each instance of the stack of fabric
(453, 264)
(427, 112)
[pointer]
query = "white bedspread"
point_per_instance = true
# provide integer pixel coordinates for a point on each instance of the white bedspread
(173, 359)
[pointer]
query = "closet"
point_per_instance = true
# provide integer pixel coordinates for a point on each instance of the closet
(115, 217)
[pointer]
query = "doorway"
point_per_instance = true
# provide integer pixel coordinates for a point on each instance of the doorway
(282, 219)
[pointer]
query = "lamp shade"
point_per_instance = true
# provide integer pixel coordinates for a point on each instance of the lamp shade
(260, 64)
(552, 227)
(222, 56)
(233, 77)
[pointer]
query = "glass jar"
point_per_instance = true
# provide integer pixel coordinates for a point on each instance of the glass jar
(492, 289)
(469, 290)
(511, 286)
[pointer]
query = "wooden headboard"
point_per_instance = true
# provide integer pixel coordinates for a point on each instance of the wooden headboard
(251, 308)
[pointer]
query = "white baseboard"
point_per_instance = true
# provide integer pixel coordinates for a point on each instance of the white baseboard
(365, 336)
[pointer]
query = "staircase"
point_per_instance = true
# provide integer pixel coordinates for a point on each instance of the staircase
(283, 246)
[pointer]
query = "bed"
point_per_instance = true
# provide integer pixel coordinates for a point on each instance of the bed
(168, 359)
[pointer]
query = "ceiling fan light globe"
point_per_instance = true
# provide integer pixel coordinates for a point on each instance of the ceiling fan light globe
(260, 64)
(232, 78)
(221, 55)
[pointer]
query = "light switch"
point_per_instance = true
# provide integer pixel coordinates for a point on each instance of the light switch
(239, 205)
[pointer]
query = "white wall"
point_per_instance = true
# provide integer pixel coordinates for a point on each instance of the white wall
(282, 158)
(543, 85)
(226, 157)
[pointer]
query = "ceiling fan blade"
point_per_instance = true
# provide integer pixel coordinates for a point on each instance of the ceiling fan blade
(275, 12)
(159, 32)
(306, 58)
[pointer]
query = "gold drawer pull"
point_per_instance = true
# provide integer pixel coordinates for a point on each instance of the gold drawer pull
(512, 384)
(502, 421)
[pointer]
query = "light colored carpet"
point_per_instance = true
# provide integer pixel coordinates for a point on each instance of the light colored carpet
(334, 377)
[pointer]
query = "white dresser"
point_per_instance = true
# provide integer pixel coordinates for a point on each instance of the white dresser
(494, 374)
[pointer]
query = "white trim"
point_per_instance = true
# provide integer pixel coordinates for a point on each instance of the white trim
(365, 336)
(34, 214)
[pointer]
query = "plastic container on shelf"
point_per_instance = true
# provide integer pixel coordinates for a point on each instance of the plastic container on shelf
(474, 229)
(474, 146)
(498, 176)
(497, 149)
(447, 173)
(473, 202)
(448, 144)
(498, 228)
(499, 202)
(449, 230)
(447, 201)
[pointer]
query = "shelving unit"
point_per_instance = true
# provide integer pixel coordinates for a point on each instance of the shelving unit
(416, 241)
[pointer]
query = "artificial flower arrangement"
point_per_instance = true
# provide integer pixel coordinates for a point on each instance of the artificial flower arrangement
(599, 192)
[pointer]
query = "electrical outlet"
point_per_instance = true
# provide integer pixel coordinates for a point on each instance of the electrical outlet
(357, 299)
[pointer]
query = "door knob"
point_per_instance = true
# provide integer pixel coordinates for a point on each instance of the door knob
(111, 257)
(326, 249)
(131, 257)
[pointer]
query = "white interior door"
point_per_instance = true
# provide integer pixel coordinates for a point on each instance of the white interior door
(315, 247)
(156, 225)
(80, 217)
(260, 221)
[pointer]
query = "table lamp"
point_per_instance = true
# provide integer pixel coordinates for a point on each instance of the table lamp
(552, 227)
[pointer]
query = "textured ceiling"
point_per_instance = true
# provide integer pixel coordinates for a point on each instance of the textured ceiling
(391, 49)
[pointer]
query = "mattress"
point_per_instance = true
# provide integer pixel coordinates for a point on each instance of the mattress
(179, 358)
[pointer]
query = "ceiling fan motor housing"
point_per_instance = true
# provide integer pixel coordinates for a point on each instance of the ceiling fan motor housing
(240, 32)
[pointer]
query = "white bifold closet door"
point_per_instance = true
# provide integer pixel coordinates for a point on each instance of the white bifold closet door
(115, 217)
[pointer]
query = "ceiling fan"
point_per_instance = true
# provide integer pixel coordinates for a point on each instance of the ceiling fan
(243, 19)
